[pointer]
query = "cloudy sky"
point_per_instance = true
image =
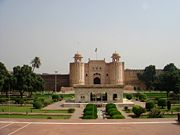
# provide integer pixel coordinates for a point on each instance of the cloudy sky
(144, 32)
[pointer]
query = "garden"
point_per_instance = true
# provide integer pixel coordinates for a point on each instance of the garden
(157, 105)
(32, 107)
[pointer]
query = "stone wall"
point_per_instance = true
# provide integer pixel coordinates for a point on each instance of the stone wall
(49, 79)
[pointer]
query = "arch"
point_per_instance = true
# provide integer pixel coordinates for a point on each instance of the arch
(97, 80)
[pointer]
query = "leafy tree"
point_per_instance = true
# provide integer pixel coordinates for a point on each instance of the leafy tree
(170, 79)
(149, 105)
(138, 110)
(36, 63)
(148, 76)
(3, 76)
(162, 102)
(26, 80)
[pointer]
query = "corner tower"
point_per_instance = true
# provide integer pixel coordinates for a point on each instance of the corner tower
(77, 71)
(116, 70)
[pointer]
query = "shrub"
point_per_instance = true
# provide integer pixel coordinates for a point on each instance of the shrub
(89, 117)
(142, 97)
(47, 102)
(71, 110)
(149, 105)
(90, 112)
(155, 113)
(19, 101)
(37, 105)
(169, 105)
(55, 97)
(49, 117)
(117, 116)
(2, 100)
(162, 103)
(138, 110)
(114, 113)
(129, 96)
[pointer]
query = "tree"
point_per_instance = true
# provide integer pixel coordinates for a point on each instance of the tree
(148, 76)
(138, 110)
(26, 80)
(3, 76)
(149, 105)
(170, 79)
(36, 63)
(162, 103)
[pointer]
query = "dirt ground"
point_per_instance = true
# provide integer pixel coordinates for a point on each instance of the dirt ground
(89, 127)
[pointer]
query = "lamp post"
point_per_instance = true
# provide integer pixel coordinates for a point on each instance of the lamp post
(55, 81)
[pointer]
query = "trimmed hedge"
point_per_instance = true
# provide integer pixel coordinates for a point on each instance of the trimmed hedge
(90, 112)
(113, 112)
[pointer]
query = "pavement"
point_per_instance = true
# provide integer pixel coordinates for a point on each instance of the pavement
(89, 127)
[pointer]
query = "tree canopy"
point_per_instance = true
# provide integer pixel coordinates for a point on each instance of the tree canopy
(148, 76)
(36, 63)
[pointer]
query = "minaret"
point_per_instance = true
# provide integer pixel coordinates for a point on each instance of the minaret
(77, 70)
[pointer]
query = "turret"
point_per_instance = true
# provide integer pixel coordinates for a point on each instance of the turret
(116, 70)
(77, 71)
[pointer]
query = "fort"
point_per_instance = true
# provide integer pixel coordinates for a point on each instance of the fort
(96, 80)
(65, 81)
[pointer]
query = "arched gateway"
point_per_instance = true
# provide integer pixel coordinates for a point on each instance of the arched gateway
(97, 80)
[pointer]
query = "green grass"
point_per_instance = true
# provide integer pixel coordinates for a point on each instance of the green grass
(35, 116)
(67, 96)
(28, 109)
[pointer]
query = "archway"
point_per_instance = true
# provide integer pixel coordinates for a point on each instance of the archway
(97, 80)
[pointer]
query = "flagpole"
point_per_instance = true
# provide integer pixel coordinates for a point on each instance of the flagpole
(96, 53)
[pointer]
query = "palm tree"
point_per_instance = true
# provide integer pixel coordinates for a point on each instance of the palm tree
(36, 63)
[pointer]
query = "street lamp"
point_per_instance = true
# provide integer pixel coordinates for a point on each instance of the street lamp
(55, 80)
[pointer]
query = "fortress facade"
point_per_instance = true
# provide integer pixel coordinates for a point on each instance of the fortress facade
(96, 80)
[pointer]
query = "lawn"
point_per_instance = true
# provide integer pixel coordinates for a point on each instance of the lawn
(35, 116)
(28, 109)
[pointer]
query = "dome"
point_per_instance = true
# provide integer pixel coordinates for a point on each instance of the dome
(77, 55)
(115, 55)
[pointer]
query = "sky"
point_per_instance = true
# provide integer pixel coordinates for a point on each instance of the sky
(143, 32)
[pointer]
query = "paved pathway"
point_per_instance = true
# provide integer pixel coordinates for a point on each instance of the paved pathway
(124, 113)
(78, 113)
(55, 106)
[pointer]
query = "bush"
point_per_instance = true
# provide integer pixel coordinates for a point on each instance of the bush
(2, 100)
(142, 97)
(55, 97)
(71, 110)
(138, 110)
(149, 105)
(47, 102)
(114, 113)
(37, 105)
(155, 113)
(89, 117)
(118, 116)
(162, 102)
(169, 105)
(90, 112)
(129, 96)
(19, 101)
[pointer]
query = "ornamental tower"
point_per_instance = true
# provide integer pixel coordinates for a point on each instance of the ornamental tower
(77, 71)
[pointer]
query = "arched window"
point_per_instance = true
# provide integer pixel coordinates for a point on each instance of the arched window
(97, 80)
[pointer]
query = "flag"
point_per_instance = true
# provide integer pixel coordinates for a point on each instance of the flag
(96, 50)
